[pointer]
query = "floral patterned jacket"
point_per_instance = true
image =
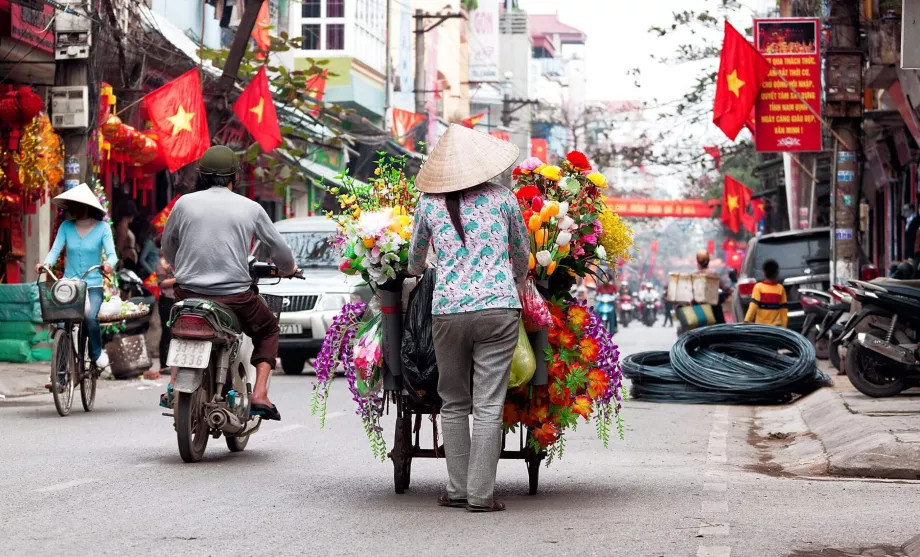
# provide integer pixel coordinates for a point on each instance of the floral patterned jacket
(482, 272)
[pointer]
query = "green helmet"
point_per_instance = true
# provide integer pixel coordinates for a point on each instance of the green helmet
(219, 160)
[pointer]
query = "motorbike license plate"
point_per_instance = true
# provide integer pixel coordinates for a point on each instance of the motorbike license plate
(291, 329)
(189, 353)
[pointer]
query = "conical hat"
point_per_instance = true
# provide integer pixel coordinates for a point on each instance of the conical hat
(80, 194)
(464, 158)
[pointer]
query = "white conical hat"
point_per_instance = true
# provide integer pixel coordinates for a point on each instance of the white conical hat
(80, 194)
(464, 158)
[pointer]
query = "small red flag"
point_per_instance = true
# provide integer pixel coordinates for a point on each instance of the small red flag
(260, 31)
(178, 115)
(503, 135)
(403, 124)
(715, 153)
(742, 71)
(256, 109)
(539, 148)
(735, 199)
(316, 88)
(750, 220)
(473, 120)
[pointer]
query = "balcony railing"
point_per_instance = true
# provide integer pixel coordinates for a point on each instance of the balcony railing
(514, 23)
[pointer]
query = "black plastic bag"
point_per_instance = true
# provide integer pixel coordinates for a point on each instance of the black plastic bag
(420, 367)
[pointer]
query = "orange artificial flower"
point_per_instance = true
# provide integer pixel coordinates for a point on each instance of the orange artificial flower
(538, 413)
(589, 349)
(557, 370)
(510, 415)
(597, 384)
(582, 406)
(535, 223)
(564, 250)
(551, 268)
(566, 338)
(577, 316)
(532, 263)
(559, 396)
(540, 237)
(545, 435)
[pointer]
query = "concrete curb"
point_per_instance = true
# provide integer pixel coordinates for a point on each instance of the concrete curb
(23, 379)
(912, 548)
(857, 445)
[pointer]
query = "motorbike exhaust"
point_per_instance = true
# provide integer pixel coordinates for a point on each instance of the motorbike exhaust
(894, 352)
(225, 421)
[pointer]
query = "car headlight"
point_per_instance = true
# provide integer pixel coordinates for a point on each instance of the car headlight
(332, 302)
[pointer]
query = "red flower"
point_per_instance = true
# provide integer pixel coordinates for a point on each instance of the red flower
(566, 339)
(545, 435)
(527, 214)
(536, 204)
(516, 173)
(527, 192)
(557, 369)
(597, 383)
(578, 160)
(559, 396)
(511, 415)
(582, 406)
(589, 349)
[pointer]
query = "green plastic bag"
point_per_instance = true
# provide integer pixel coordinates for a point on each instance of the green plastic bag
(523, 364)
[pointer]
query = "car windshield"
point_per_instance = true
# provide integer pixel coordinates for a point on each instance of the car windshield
(312, 249)
(795, 254)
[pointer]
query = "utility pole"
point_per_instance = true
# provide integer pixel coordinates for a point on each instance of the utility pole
(420, 30)
(844, 108)
(388, 72)
(511, 105)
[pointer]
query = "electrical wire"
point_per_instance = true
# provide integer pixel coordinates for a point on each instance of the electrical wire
(727, 364)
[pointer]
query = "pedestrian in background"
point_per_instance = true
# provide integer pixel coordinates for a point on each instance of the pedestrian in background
(476, 306)
(166, 279)
(768, 301)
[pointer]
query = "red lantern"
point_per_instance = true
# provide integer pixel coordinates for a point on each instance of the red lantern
(29, 103)
(110, 127)
(10, 111)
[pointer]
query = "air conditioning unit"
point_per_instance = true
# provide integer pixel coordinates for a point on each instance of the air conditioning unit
(70, 107)
(72, 33)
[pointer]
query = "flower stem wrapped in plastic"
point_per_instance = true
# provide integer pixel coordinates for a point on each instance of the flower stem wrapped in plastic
(535, 313)
(368, 357)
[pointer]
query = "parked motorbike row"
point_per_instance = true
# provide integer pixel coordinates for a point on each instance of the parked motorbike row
(868, 330)
(620, 309)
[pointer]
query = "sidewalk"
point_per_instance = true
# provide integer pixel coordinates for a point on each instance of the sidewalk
(856, 435)
(23, 379)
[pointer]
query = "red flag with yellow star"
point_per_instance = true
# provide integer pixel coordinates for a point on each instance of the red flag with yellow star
(742, 71)
(735, 199)
(472, 121)
(178, 115)
(256, 110)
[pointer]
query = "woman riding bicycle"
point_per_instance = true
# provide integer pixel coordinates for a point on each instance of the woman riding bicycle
(86, 238)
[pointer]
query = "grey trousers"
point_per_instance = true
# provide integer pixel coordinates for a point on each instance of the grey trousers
(479, 346)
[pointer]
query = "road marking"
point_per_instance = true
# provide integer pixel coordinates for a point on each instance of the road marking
(65, 485)
(719, 551)
(709, 507)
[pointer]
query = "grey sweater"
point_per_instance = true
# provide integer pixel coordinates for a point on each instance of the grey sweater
(208, 237)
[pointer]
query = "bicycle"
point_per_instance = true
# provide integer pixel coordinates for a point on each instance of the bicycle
(63, 305)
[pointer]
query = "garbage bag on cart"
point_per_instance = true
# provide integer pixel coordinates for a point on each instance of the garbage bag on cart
(420, 367)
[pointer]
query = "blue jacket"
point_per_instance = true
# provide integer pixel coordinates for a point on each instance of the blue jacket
(83, 252)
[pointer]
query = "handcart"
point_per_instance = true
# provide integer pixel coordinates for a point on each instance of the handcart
(410, 412)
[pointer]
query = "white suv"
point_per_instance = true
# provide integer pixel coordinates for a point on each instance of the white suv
(309, 305)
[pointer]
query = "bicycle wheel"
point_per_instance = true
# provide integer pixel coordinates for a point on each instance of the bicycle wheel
(87, 373)
(62, 371)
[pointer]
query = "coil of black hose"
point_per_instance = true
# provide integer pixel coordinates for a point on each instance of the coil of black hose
(727, 364)
(746, 358)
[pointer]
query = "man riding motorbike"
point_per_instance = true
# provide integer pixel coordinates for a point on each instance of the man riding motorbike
(207, 241)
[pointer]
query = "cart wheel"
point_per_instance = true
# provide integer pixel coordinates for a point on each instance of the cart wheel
(401, 454)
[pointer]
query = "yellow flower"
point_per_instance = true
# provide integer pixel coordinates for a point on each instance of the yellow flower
(598, 179)
(616, 236)
(369, 242)
(550, 172)
(377, 171)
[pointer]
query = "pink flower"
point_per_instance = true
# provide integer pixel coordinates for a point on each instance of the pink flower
(578, 251)
(598, 228)
(589, 239)
(530, 164)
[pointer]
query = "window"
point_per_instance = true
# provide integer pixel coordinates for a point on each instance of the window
(335, 8)
(335, 36)
(311, 40)
(310, 8)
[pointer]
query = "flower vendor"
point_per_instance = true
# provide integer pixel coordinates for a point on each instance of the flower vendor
(476, 307)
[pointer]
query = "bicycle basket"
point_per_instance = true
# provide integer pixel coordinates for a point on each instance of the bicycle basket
(274, 303)
(62, 300)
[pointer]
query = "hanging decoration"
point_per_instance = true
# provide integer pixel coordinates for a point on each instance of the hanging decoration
(40, 160)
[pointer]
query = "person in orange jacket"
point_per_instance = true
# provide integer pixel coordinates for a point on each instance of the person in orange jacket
(768, 301)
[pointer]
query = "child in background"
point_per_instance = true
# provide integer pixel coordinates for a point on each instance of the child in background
(768, 301)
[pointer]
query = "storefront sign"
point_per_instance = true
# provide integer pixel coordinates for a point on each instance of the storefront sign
(32, 27)
(688, 208)
(845, 175)
(844, 234)
(484, 42)
(784, 122)
(846, 156)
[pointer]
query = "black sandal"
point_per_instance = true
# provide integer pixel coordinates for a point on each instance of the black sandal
(445, 501)
(494, 507)
(265, 411)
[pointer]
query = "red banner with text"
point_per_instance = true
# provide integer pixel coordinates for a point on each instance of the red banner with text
(784, 122)
(686, 208)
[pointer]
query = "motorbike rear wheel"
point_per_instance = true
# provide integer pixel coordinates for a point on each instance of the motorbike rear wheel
(872, 375)
(191, 426)
(822, 348)
(237, 444)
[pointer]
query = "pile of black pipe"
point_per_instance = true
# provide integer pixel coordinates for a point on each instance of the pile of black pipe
(727, 364)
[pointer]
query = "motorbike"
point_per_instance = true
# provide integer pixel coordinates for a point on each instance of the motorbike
(649, 312)
(831, 328)
(626, 309)
(880, 340)
(214, 378)
(816, 305)
(605, 308)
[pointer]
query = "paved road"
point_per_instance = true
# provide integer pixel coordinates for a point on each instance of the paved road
(685, 482)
